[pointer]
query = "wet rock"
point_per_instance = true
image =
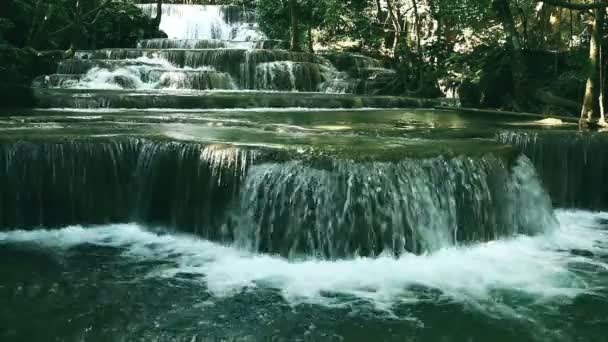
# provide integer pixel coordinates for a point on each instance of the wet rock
(582, 253)
(124, 82)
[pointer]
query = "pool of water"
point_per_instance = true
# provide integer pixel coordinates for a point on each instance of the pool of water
(127, 282)
(121, 281)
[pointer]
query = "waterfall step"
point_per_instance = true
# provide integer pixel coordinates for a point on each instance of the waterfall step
(166, 43)
(198, 57)
(271, 70)
(184, 21)
(139, 78)
(573, 165)
(86, 98)
(214, 190)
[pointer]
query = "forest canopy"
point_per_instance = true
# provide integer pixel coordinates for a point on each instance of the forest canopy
(515, 54)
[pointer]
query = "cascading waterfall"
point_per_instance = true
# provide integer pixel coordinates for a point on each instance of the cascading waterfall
(247, 69)
(139, 73)
(266, 202)
(101, 181)
(287, 75)
(230, 53)
(414, 205)
(178, 215)
(573, 166)
(206, 22)
(162, 43)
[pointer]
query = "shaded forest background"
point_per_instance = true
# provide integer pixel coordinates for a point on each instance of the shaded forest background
(524, 55)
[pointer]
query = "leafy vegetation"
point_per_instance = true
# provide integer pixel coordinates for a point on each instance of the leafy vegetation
(58, 24)
(461, 44)
(514, 54)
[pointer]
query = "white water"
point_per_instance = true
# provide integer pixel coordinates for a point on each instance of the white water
(267, 73)
(155, 73)
(197, 44)
(541, 266)
(202, 22)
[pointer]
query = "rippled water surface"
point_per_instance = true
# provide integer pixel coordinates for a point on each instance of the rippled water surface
(132, 283)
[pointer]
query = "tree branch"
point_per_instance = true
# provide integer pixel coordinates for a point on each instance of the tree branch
(69, 26)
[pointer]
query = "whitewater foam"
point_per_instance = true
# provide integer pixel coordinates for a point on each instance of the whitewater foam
(538, 266)
(184, 22)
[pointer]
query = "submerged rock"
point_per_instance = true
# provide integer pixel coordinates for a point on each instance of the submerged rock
(582, 253)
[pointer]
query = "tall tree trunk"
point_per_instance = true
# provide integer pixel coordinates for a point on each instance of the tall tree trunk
(518, 63)
(311, 47)
(394, 16)
(37, 19)
(379, 12)
(295, 41)
(41, 29)
(419, 52)
(159, 13)
(590, 113)
(77, 31)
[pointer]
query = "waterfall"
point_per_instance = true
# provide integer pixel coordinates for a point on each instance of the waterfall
(573, 166)
(291, 76)
(370, 208)
(205, 22)
(266, 201)
(212, 48)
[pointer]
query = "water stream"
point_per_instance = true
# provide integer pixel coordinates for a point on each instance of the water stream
(208, 187)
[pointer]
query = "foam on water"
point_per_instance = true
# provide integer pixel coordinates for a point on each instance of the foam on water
(148, 73)
(540, 266)
(184, 22)
(101, 78)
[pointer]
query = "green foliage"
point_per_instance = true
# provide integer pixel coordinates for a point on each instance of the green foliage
(452, 42)
(5, 26)
(273, 17)
(20, 66)
(332, 20)
(121, 25)
(51, 24)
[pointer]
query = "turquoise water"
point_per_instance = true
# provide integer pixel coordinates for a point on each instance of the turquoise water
(131, 283)
(492, 260)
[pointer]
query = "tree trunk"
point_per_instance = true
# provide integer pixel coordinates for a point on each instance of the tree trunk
(549, 98)
(394, 16)
(159, 13)
(311, 47)
(379, 13)
(590, 113)
(518, 63)
(37, 19)
(419, 52)
(294, 43)
(41, 29)
(77, 31)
